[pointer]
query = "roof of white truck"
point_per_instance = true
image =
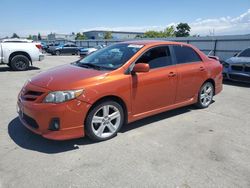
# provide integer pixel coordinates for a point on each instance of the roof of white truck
(16, 40)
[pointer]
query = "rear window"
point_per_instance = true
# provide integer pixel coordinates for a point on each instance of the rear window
(185, 54)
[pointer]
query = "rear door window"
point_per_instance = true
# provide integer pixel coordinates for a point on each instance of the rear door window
(185, 54)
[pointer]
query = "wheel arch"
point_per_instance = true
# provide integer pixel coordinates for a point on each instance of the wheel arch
(20, 53)
(115, 98)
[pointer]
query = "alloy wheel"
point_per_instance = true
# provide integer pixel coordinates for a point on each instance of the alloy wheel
(106, 121)
(206, 94)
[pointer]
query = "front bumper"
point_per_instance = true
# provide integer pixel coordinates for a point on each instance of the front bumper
(37, 117)
(237, 76)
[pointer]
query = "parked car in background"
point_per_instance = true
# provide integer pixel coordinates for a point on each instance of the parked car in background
(49, 46)
(86, 51)
(119, 84)
(19, 54)
(237, 68)
(67, 48)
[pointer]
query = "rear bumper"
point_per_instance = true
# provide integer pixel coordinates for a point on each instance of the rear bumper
(41, 57)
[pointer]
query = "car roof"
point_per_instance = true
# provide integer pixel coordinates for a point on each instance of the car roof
(153, 42)
(17, 40)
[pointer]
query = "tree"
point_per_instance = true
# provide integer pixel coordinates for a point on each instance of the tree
(15, 36)
(168, 32)
(108, 35)
(80, 36)
(183, 30)
(39, 36)
(29, 37)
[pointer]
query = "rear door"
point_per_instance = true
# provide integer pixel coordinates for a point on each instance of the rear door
(157, 88)
(191, 72)
(66, 49)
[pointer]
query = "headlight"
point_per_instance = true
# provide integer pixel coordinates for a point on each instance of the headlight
(62, 96)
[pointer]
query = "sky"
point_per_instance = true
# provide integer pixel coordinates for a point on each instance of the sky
(206, 17)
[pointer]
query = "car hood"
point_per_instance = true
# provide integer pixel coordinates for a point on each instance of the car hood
(67, 77)
(238, 60)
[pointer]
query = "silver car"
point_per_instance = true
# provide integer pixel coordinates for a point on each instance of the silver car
(237, 68)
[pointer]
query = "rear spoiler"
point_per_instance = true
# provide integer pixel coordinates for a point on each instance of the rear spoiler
(214, 57)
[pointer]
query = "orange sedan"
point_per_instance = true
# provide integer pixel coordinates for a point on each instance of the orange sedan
(116, 85)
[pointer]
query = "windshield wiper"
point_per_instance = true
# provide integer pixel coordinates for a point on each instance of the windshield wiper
(90, 65)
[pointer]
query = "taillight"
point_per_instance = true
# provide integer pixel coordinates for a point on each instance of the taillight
(39, 46)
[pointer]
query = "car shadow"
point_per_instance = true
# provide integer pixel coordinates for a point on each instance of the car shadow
(158, 117)
(28, 140)
(235, 83)
(8, 69)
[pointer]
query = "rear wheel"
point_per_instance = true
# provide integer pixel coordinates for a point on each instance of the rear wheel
(19, 63)
(104, 121)
(206, 94)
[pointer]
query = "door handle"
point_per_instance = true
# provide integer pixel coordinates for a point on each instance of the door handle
(172, 74)
(202, 68)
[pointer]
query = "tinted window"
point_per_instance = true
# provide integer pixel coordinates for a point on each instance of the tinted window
(185, 54)
(72, 45)
(66, 45)
(156, 57)
(245, 53)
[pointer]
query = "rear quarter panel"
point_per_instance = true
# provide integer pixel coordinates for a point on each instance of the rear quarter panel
(214, 69)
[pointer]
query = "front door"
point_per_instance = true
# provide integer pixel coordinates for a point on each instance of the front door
(157, 88)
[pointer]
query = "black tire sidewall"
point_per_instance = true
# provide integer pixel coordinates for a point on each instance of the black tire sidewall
(199, 104)
(17, 58)
(88, 129)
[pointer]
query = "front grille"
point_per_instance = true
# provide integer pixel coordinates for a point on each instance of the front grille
(237, 67)
(239, 78)
(31, 95)
(30, 121)
(247, 69)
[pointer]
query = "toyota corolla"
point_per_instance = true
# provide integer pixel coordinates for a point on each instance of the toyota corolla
(116, 85)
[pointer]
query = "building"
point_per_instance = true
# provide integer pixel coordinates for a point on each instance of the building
(99, 34)
(56, 36)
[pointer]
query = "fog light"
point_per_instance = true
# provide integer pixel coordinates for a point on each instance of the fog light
(54, 124)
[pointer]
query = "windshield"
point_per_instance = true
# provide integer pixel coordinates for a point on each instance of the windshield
(111, 57)
(245, 53)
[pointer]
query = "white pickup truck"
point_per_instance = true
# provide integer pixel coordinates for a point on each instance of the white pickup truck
(19, 54)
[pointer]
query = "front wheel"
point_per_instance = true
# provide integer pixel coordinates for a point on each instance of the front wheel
(206, 94)
(104, 121)
(58, 53)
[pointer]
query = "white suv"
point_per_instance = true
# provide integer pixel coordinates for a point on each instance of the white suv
(19, 54)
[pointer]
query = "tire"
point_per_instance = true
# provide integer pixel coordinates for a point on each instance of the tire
(58, 53)
(205, 96)
(19, 63)
(104, 120)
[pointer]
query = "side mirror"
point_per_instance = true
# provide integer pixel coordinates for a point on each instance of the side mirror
(141, 67)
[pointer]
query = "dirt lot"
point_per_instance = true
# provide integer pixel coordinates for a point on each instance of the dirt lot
(181, 148)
